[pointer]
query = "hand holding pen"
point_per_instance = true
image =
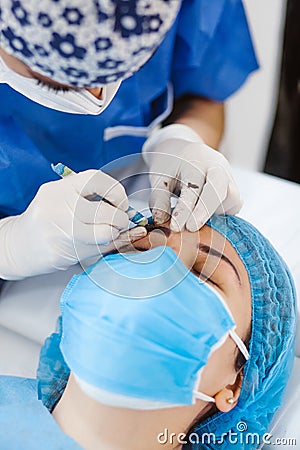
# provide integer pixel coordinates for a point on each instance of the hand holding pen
(61, 226)
(104, 199)
(134, 216)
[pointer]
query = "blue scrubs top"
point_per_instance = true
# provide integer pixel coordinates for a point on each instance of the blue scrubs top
(24, 422)
(207, 52)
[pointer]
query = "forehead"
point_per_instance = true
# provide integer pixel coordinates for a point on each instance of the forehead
(239, 301)
(212, 238)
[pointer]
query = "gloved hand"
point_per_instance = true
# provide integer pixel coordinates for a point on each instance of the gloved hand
(179, 161)
(61, 227)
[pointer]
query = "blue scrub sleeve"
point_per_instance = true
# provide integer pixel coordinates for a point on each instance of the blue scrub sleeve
(214, 52)
(53, 373)
(23, 168)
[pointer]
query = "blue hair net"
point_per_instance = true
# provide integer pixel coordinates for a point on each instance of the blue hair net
(85, 43)
(271, 349)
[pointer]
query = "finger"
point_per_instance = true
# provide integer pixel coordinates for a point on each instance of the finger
(184, 207)
(99, 234)
(97, 182)
(235, 209)
(230, 208)
(213, 194)
(233, 202)
(191, 186)
(160, 201)
(125, 240)
(100, 212)
(137, 233)
(190, 190)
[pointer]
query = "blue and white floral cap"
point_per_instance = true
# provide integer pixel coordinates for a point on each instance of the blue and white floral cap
(85, 43)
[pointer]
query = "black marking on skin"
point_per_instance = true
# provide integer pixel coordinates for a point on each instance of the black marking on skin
(193, 186)
(151, 227)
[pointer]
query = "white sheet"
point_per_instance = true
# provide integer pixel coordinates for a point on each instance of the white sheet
(273, 206)
(19, 355)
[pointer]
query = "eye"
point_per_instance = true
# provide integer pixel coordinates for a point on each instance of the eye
(204, 278)
(205, 269)
(55, 89)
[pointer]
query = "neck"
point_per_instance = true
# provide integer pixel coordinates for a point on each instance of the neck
(94, 425)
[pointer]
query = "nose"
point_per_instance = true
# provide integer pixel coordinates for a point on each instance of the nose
(158, 236)
(184, 244)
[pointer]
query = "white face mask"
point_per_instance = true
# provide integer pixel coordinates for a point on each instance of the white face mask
(73, 102)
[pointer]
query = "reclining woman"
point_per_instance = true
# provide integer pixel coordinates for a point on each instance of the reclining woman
(152, 342)
(185, 342)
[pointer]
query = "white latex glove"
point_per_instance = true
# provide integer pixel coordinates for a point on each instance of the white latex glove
(179, 161)
(61, 227)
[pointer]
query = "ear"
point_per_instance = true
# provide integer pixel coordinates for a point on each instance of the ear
(227, 398)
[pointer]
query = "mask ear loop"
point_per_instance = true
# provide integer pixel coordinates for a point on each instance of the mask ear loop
(200, 395)
(240, 344)
(204, 397)
(242, 347)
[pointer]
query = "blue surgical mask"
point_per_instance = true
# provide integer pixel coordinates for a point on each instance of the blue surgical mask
(139, 328)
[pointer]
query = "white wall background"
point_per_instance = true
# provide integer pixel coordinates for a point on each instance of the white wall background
(250, 112)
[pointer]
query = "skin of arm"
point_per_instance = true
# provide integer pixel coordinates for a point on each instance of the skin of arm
(206, 117)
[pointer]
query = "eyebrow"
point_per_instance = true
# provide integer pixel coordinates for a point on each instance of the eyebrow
(213, 252)
(51, 83)
(202, 247)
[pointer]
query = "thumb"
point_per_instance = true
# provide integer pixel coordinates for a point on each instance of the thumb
(160, 201)
(124, 240)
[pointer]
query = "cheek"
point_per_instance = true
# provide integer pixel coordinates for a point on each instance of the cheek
(186, 246)
(219, 371)
(14, 64)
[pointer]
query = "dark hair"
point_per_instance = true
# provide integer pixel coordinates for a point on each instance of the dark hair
(240, 359)
(239, 363)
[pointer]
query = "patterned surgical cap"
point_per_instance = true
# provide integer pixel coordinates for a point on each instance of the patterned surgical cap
(85, 42)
